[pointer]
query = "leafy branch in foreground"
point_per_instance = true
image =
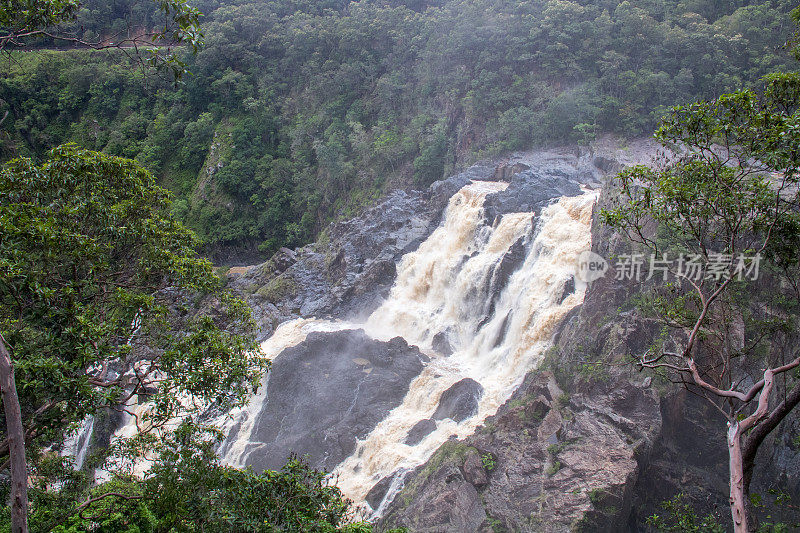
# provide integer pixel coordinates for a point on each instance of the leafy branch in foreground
(105, 305)
(38, 23)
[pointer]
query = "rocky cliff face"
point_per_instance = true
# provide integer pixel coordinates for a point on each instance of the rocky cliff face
(584, 443)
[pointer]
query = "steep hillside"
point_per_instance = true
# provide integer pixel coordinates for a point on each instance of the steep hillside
(298, 113)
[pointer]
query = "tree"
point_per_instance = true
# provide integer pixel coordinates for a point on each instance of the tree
(726, 202)
(187, 489)
(25, 23)
(104, 301)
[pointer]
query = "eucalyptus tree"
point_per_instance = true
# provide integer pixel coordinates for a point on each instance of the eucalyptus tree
(720, 215)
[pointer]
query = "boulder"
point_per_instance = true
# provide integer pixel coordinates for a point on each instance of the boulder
(460, 401)
(441, 343)
(327, 392)
(421, 429)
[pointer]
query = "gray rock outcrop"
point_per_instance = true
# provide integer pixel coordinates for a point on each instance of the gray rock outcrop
(460, 401)
(328, 391)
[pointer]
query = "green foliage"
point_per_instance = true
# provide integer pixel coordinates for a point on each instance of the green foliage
(680, 517)
(596, 496)
(96, 274)
(452, 452)
(488, 461)
(102, 296)
(22, 15)
(496, 525)
(696, 199)
(555, 449)
(553, 468)
(328, 103)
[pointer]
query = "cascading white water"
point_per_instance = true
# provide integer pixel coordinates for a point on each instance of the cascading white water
(434, 282)
(436, 297)
(77, 444)
(441, 287)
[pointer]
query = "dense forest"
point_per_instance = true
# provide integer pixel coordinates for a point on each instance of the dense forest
(299, 112)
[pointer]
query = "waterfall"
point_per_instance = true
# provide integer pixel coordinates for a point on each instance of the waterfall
(432, 296)
(494, 292)
(498, 320)
(77, 443)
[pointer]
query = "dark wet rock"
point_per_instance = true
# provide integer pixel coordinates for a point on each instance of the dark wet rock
(378, 491)
(569, 288)
(535, 178)
(106, 422)
(349, 271)
(441, 343)
(490, 293)
(530, 191)
(537, 408)
(419, 431)
(328, 391)
(460, 401)
(503, 330)
(567, 452)
(510, 263)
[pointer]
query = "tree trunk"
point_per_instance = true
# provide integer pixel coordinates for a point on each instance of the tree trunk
(759, 433)
(16, 443)
(737, 496)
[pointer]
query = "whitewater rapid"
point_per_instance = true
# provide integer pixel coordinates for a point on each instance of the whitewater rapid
(441, 287)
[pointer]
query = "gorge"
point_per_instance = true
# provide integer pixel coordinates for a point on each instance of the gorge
(438, 355)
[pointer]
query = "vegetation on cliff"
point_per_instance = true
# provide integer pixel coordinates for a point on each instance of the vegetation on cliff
(299, 112)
